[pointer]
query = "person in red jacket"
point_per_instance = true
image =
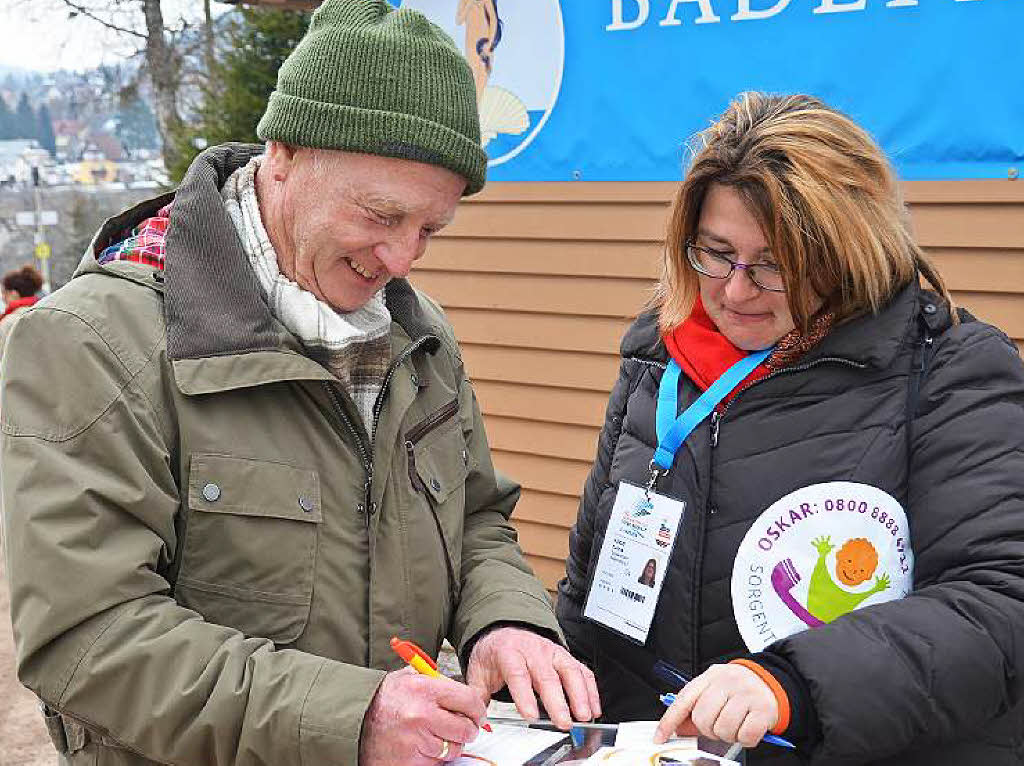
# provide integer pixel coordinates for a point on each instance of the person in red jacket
(19, 290)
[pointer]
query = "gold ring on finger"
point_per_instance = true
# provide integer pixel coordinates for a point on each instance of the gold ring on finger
(445, 747)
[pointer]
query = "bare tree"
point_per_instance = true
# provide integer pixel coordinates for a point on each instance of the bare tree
(165, 76)
(143, 23)
(208, 36)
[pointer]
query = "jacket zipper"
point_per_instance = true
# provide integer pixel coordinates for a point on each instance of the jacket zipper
(368, 505)
(421, 429)
(378, 405)
(651, 362)
(786, 370)
(367, 454)
(698, 559)
(367, 457)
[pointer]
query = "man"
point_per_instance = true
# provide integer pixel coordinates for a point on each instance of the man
(250, 454)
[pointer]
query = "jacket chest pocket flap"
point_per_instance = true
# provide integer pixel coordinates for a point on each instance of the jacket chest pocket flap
(439, 465)
(250, 545)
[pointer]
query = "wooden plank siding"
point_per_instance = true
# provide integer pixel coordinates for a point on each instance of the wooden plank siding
(541, 281)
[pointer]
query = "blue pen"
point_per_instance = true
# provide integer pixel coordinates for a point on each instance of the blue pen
(771, 739)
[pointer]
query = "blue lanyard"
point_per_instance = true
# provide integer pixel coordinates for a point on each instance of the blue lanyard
(672, 431)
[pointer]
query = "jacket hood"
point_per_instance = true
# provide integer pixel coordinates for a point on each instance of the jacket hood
(872, 340)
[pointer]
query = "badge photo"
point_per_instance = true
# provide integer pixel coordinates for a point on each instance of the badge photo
(631, 566)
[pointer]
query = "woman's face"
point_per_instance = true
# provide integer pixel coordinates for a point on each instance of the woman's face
(751, 318)
(649, 571)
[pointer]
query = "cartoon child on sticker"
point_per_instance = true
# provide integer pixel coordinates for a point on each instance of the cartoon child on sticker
(856, 562)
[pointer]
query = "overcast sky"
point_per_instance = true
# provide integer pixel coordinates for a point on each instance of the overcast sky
(37, 34)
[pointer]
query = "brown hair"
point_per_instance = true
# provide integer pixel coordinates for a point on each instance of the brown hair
(825, 196)
(26, 281)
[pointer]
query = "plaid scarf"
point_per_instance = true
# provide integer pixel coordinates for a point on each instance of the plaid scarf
(355, 347)
(143, 244)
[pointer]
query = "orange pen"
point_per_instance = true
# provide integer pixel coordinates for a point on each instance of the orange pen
(420, 661)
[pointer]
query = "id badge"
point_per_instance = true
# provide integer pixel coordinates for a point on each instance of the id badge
(633, 561)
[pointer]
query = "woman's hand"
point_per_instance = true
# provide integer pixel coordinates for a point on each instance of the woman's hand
(725, 702)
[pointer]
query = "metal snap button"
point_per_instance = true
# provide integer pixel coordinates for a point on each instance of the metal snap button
(305, 503)
(211, 492)
(373, 508)
(359, 509)
(435, 485)
(929, 308)
(414, 378)
(465, 457)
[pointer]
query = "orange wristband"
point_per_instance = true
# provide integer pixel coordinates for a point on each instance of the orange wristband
(781, 698)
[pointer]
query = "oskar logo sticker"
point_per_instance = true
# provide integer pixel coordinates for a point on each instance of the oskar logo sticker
(817, 554)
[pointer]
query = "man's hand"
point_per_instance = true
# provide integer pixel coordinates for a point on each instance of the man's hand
(525, 661)
(725, 702)
(412, 716)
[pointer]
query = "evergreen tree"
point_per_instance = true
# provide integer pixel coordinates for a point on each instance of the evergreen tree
(25, 123)
(47, 139)
(6, 120)
(136, 123)
(258, 40)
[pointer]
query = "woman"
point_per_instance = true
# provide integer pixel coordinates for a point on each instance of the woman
(19, 291)
(844, 530)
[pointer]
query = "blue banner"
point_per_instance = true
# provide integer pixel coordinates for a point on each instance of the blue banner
(612, 90)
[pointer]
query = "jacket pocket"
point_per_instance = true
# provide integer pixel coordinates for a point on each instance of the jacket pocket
(438, 467)
(250, 545)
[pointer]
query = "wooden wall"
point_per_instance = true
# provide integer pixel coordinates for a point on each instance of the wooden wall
(541, 279)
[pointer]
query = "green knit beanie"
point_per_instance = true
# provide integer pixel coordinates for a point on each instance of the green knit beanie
(369, 78)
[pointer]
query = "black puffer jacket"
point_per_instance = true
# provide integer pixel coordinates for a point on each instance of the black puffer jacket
(935, 678)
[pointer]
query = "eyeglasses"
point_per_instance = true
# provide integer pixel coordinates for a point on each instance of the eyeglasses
(716, 265)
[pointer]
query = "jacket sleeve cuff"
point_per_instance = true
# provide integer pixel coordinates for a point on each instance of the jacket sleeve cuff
(803, 728)
(781, 698)
(332, 714)
(520, 608)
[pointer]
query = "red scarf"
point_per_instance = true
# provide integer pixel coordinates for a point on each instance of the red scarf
(17, 304)
(703, 353)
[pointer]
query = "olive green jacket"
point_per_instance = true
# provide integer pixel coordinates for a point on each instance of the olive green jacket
(208, 556)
